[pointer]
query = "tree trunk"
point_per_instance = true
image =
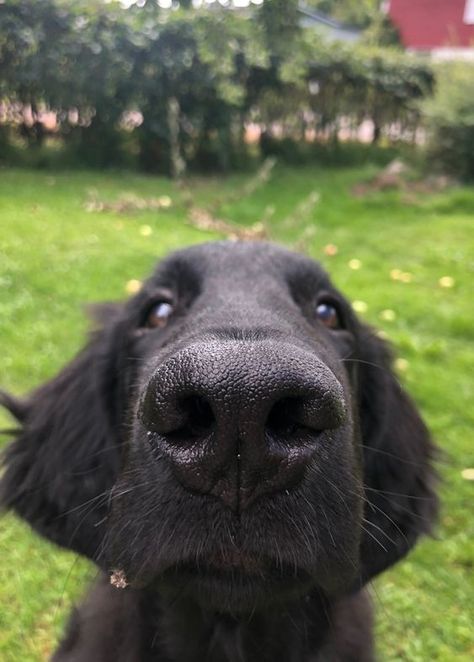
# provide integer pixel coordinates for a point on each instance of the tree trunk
(177, 164)
(376, 134)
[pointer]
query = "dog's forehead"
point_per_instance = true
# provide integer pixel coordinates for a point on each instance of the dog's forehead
(240, 261)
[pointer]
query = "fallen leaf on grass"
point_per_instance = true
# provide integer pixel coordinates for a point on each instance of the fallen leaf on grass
(402, 365)
(145, 230)
(402, 276)
(360, 306)
(330, 249)
(387, 315)
(133, 286)
(446, 281)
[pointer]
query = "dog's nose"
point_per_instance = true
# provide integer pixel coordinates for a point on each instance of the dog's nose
(238, 420)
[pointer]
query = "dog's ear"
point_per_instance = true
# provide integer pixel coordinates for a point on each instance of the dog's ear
(66, 453)
(398, 458)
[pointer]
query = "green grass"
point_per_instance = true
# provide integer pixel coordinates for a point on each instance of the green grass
(54, 256)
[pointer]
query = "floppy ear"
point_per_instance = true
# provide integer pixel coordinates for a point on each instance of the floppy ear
(398, 460)
(65, 456)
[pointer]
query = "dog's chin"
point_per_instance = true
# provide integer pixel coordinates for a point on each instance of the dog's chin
(234, 588)
(235, 581)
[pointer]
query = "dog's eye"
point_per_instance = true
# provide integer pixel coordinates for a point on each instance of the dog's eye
(328, 314)
(158, 315)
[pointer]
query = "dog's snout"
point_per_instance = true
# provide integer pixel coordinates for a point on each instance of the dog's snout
(240, 420)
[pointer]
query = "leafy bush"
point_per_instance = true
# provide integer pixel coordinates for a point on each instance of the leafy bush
(195, 78)
(450, 120)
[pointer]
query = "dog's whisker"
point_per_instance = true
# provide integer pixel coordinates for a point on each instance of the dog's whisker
(364, 362)
(398, 458)
(367, 521)
(398, 494)
(98, 497)
(374, 538)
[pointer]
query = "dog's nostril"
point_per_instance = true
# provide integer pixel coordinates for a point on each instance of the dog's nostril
(199, 412)
(198, 417)
(282, 419)
(294, 418)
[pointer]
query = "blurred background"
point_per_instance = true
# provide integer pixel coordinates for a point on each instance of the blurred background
(341, 128)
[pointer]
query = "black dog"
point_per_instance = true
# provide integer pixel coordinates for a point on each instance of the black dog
(233, 450)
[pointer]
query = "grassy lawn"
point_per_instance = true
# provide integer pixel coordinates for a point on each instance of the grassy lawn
(55, 255)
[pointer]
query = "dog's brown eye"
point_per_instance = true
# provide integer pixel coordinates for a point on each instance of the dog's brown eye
(328, 315)
(159, 315)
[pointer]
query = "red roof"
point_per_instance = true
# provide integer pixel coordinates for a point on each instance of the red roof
(428, 24)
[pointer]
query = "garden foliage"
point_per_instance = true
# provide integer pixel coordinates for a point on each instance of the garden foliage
(450, 119)
(193, 78)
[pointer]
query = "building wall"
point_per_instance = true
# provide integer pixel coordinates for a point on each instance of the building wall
(429, 24)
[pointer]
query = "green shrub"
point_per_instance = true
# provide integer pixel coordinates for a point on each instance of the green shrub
(449, 117)
(222, 69)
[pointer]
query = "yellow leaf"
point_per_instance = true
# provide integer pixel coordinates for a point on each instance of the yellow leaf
(402, 365)
(331, 250)
(446, 281)
(145, 230)
(388, 315)
(395, 274)
(360, 306)
(133, 286)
